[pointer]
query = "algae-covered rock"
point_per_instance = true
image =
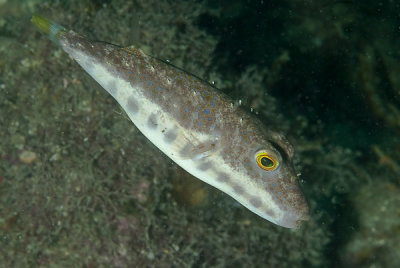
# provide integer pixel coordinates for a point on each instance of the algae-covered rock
(376, 241)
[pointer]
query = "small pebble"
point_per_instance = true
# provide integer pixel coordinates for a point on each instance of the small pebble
(27, 157)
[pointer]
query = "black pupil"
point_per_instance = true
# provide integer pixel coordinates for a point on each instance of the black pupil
(266, 162)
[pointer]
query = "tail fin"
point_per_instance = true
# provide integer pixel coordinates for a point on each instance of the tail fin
(53, 31)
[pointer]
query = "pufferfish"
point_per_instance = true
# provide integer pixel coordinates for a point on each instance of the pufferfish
(195, 125)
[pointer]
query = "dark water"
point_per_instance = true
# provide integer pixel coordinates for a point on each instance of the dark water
(81, 187)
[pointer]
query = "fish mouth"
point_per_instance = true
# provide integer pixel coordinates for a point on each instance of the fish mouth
(293, 220)
(295, 216)
(304, 216)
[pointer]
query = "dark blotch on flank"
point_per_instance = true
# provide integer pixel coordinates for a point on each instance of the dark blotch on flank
(132, 105)
(185, 151)
(270, 213)
(170, 136)
(204, 166)
(255, 201)
(152, 121)
(238, 189)
(223, 177)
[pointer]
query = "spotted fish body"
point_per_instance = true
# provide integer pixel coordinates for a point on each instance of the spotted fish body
(193, 124)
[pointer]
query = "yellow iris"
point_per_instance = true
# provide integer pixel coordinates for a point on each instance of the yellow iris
(266, 162)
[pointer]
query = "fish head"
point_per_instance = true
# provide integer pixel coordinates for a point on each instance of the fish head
(266, 171)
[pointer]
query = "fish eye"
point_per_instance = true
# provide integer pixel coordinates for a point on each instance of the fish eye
(266, 161)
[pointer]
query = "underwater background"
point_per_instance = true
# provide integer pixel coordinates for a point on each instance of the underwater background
(81, 187)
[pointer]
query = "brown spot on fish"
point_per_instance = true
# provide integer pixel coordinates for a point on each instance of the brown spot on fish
(152, 121)
(270, 213)
(132, 105)
(170, 136)
(238, 189)
(223, 177)
(185, 151)
(204, 166)
(255, 201)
